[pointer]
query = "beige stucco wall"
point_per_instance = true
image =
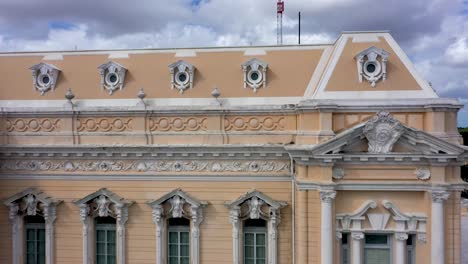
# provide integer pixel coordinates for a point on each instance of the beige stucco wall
(216, 231)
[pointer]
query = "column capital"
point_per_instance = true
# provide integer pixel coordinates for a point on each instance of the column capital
(439, 196)
(357, 235)
(327, 196)
(401, 236)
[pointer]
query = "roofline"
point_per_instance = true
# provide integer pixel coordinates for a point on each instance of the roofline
(365, 32)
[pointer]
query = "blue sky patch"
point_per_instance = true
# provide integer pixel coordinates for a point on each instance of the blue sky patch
(61, 25)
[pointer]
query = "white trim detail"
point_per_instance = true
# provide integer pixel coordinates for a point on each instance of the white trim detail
(327, 197)
(437, 227)
(177, 204)
(31, 202)
(45, 77)
(112, 76)
(178, 69)
(103, 203)
(255, 205)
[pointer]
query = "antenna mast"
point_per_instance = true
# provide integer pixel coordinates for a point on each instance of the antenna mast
(279, 22)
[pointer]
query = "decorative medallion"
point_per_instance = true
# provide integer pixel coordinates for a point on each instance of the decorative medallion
(112, 76)
(45, 77)
(182, 74)
(255, 74)
(372, 65)
(382, 131)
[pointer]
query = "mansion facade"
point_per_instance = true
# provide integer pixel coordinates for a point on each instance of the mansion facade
(336, 153)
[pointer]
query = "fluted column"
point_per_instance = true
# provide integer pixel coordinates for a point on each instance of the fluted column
(326, 251)
(437, 227)
(357, 237)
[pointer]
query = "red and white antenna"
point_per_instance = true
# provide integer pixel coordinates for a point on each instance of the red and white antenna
(279, 22)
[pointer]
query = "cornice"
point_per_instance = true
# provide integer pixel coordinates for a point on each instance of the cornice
(374, 186)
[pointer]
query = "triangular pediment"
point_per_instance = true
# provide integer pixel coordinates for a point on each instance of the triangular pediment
(259, 195)
(177, 192)
(381, 136)
(114, 198)
(40, 196)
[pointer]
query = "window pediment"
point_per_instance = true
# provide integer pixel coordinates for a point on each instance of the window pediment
(372, 65)
(182, 75)
(112, 76)
(255, 74)
(45, 77)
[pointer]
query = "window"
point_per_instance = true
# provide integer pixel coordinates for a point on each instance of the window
(179, 241)
(377, 249)
(35, 239)
(344, 249)
(410, 250)
(255, 241)
(105, 240)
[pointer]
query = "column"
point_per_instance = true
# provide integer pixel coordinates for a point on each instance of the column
(302, 239)
(357, 237)
(400, 247)
(437, 227)
(326, 251)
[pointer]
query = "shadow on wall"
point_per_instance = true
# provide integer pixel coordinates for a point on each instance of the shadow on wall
(464, 169)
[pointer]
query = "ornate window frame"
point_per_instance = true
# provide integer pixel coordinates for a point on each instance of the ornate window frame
(112, 76)
(178, 69)
(103, 203)
(252, 205)
(257, 67)
(378, 59)
(177, 204)
(45, 77)
(31, 202)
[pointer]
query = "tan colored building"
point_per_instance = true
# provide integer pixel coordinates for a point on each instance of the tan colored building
(336, 153)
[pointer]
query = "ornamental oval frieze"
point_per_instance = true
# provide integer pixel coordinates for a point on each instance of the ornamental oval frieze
(104, 124)
(147, 166)
(178, 124)
(243, 123)
(33, 125)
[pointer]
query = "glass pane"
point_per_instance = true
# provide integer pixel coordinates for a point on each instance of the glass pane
(41, 247)
(184, 251)
(31, 234)
(345, 256)
(101, 260)
(41, 236)
(173, 250)
(377, 256)
(376, 239)
(173, 260)
(31, 247)
(261, 252)
(111, 249)
(111, 236)
(100, 235)
(249, 239)
(41, 259)
(250, 261)
(249, 251)
(101, 248)
(260, 239)
(184, 237)
(260, 261)
(31, 259)
(173, 237)
(185, 260)
(111, 260)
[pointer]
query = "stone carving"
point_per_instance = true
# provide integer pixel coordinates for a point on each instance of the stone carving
(401, 236)
(423, 173)
(406, 222)
(104, 124)
(182, 74)
(255, 74)
(440, 196)
(378, 221)
(255, 205)
(177, 124)
(327, 196)
(146, 166)
(177, 204)
(103, 203)
(372, 65)
(33, 125)
(382, 131)
(242, 123)
(45, 77)
(112, 76)
(464, 202)
(338, 173)
(31, 202)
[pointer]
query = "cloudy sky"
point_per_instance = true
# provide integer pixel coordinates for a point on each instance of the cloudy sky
(434, 33)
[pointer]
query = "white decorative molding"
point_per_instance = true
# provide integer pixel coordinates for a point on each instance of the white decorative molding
(255, 74)
(438, 226)
(253, 166)
(45, 77)
(177, 204)
(372, 65)
(31, 202)
(326, 233)
(423, 173)
(348, 222)
(439, 196)
(408, 222)
(112, 76)
(182, 75)
(378, 221)
(382, 131)
(338, 173)
(464, 203)
(103, 203)
(255, 205)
